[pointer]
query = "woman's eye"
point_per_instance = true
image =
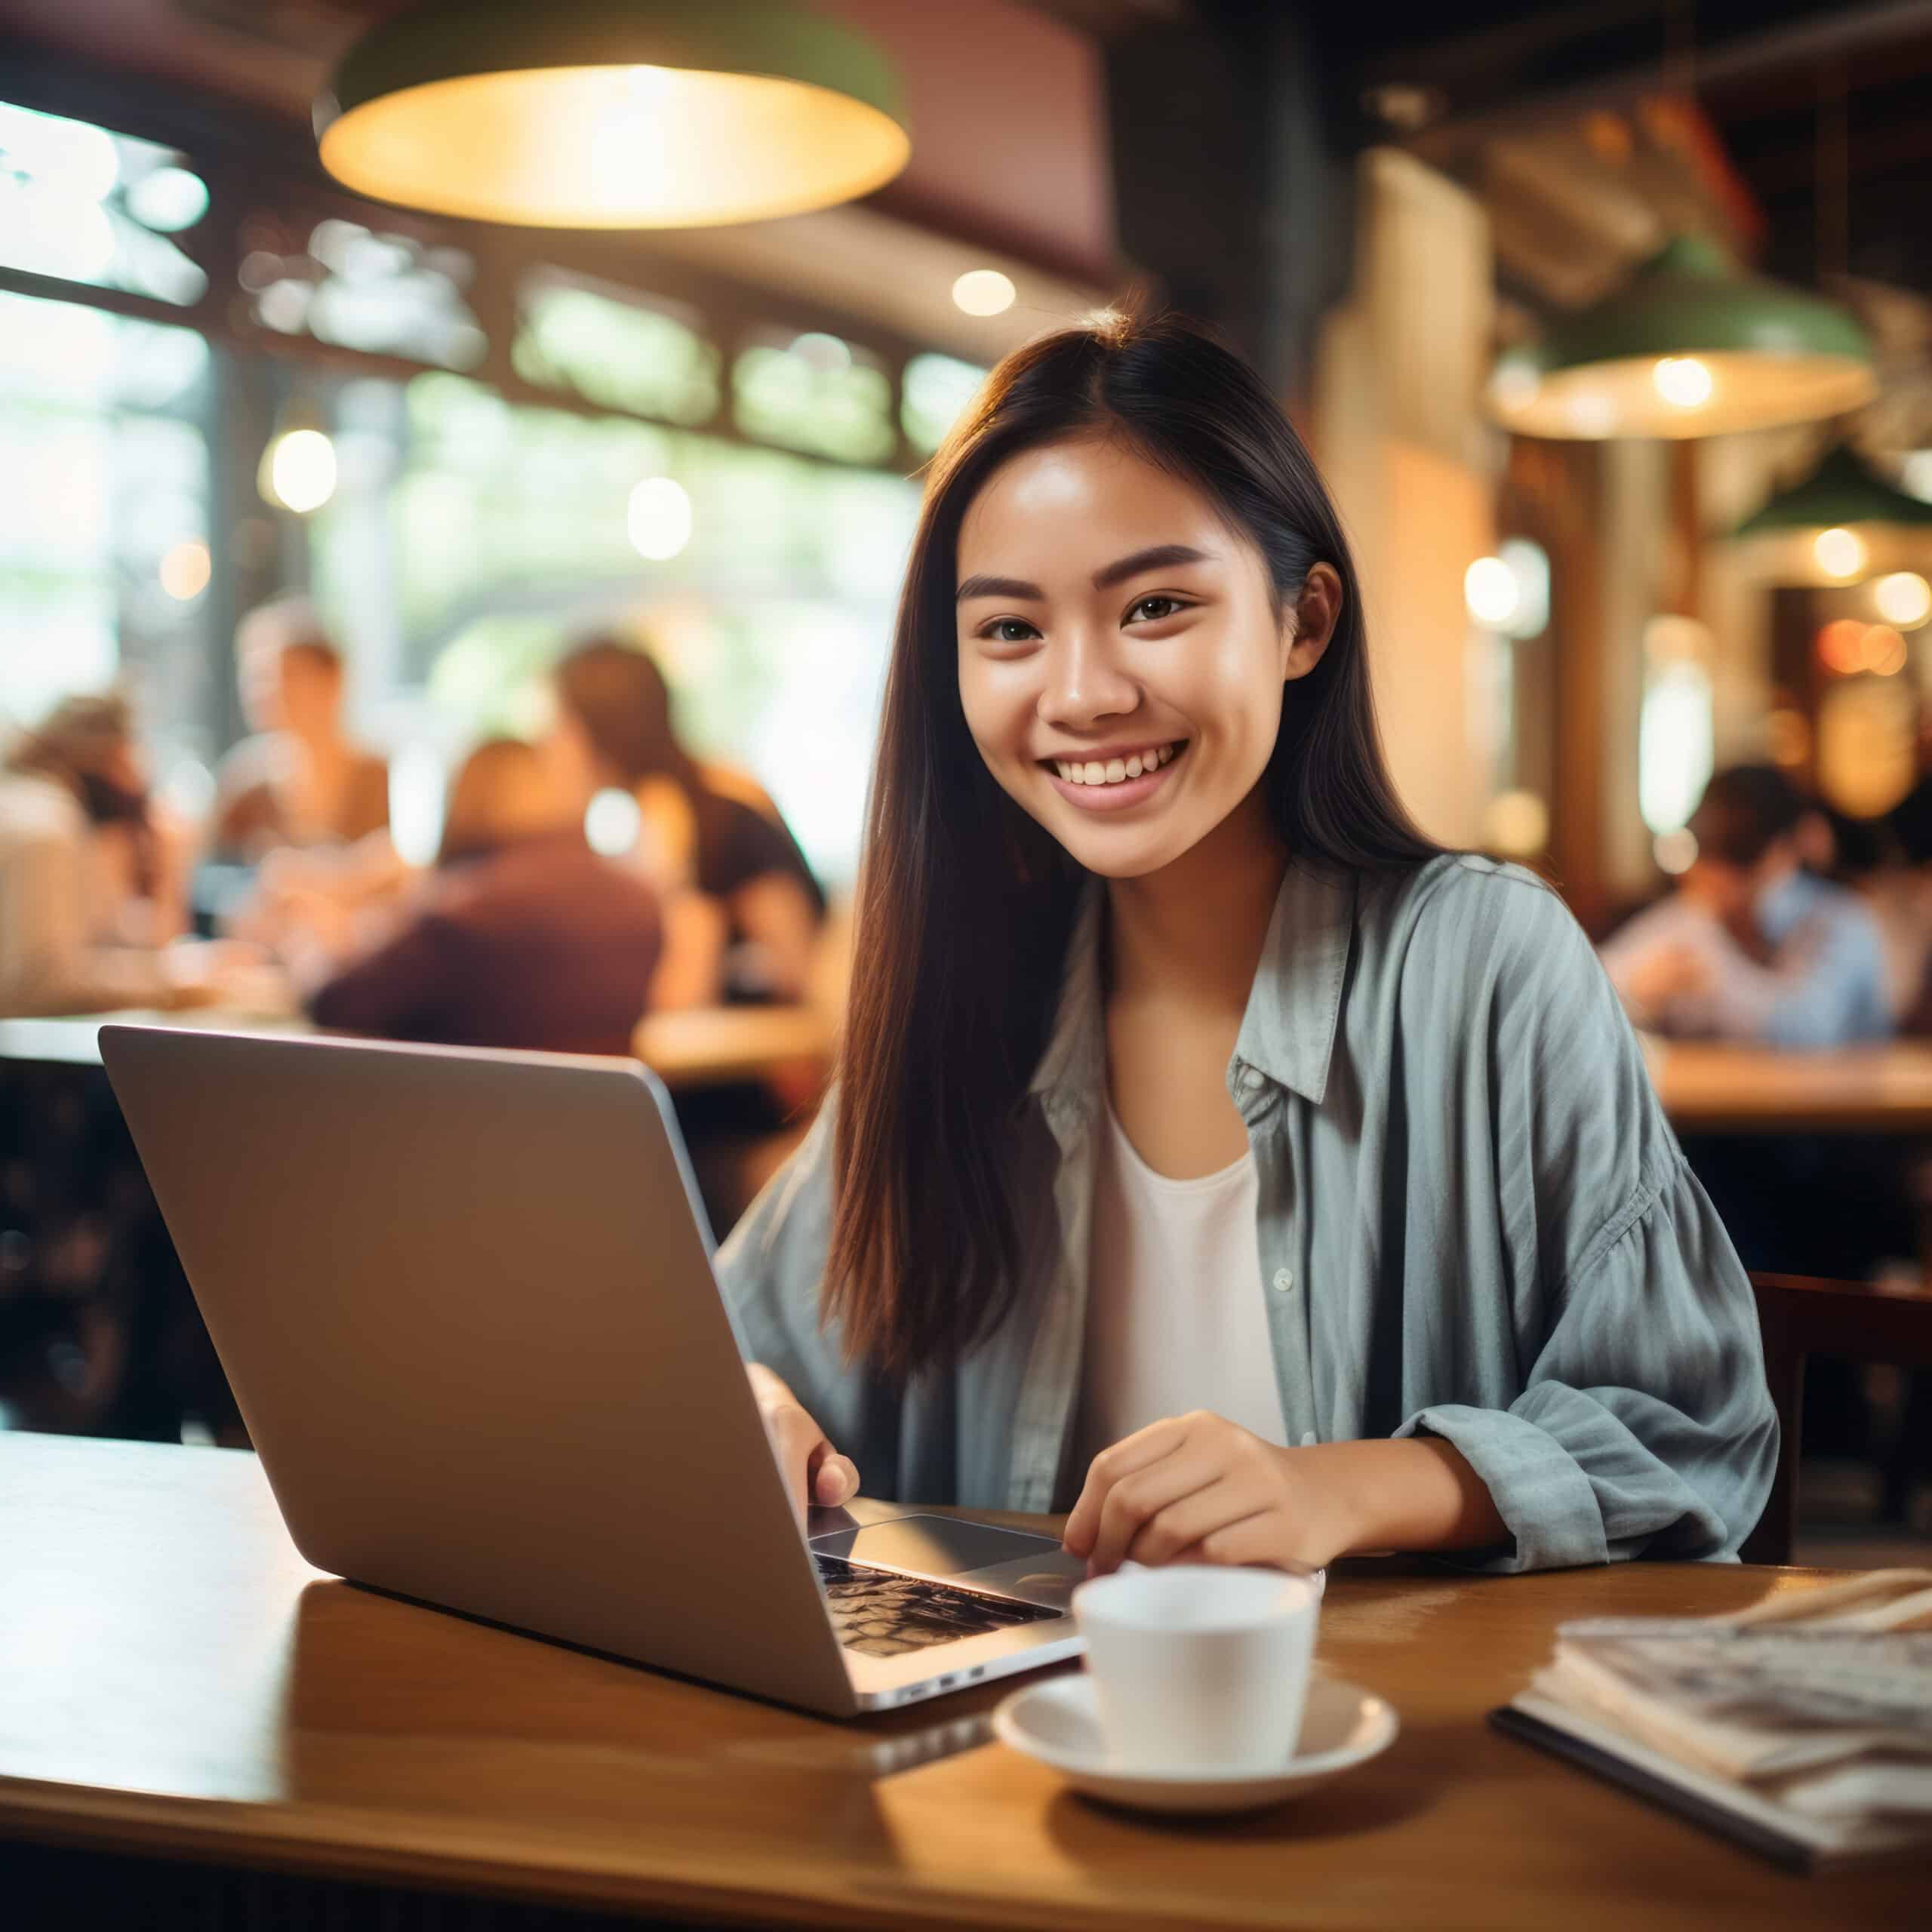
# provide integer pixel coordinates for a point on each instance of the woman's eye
(1144, 612)
(1008, 630)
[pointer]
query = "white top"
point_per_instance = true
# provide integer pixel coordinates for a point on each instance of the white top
(1175, 1318)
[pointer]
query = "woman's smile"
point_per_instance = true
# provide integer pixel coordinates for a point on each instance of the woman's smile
(1106, 780)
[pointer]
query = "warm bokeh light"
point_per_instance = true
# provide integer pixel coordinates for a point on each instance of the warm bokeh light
(611, 822)
(1489, 589)
(1788, 736)
(1841, 646)
(1516, 825)
(1682, 381)
(1841, 553)
(185, 569)
(983, 292)
(1904, 598)
(659, 518)
(1882, 649)
(299, 471)
(1676, 852)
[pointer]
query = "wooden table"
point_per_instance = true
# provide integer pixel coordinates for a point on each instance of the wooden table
(1708, 1088)
(703, 1046)
(175, 1681)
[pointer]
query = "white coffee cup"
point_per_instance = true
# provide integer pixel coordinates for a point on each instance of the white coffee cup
(1199, 1667)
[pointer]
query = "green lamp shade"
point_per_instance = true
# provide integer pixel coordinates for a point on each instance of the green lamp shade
(1843, 523)
(612, 113)
(1690, 348)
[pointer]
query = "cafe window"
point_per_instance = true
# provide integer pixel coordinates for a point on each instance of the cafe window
(934, 393)
(815, 393)
(355, 287)
(86, 205)
(105, 557)
(471, 538)
(617, 350)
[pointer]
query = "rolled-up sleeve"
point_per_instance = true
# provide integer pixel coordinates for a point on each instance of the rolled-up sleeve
(1643, 1425)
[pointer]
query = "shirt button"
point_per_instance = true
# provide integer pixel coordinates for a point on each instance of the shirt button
(1285, 1279)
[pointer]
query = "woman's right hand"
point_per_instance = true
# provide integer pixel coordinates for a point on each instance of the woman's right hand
(814, 1472)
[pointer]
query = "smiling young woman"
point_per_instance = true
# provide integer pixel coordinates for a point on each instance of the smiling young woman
(1209, 1152)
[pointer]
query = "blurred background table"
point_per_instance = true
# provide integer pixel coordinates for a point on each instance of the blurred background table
(699, 1046)
(180, 1687)
(1710, 1087)
(98, 1327)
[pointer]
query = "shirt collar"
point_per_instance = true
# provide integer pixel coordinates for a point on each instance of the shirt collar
(1288, 1033)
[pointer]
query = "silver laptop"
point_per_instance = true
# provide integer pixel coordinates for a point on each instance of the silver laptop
(465, 1302)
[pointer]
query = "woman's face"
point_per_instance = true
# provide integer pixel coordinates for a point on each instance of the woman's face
(1121, 664)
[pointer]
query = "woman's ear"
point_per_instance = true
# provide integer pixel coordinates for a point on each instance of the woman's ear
(1307, 628)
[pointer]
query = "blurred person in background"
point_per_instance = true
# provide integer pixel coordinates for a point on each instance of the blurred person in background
(300, 780)
(93, 874)
(523, 936)
(1752, 946)
(1901, 897)
(708, 831)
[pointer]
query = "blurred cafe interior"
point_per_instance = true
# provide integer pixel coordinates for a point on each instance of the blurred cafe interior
(311, 495)
(365, 528)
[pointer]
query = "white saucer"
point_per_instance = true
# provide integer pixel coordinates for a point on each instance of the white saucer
(1057, 1722)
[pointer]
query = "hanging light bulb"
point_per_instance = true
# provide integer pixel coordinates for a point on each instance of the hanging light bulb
(593, 114)
(1839, 553)
(1842, 522)
(1691, 347)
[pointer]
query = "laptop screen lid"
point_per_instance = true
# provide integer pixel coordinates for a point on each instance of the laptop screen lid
(469, 1317)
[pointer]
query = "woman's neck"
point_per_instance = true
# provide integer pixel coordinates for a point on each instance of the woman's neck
(1194, 931)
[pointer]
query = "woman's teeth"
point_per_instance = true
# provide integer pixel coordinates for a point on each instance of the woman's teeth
(1115, 771)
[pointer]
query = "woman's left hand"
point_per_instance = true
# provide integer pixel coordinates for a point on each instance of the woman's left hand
(1200, 1489)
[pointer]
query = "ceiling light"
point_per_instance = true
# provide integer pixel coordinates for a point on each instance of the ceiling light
(983, 292)
(613, 113)
(1682, 381)
(1840, 554)
(1690, 347)
(1842, 521)
(1904, 598)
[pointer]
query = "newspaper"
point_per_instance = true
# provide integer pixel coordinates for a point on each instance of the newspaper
(1820, 1698)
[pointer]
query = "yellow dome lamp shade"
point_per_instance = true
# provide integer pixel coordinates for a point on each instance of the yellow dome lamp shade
(1841, 525)
(1691, 347)
(612, 113)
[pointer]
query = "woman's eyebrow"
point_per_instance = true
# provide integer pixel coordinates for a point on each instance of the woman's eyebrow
(1158, 556)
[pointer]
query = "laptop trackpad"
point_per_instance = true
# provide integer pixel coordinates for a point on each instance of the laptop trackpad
(933, 1545)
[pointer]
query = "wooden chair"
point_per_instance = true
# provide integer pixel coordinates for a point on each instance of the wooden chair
(1799, 1317)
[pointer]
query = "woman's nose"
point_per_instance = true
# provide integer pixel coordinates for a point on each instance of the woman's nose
(1085, 683)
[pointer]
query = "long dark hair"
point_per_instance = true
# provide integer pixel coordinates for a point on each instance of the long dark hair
(966, 905)
(620, 696)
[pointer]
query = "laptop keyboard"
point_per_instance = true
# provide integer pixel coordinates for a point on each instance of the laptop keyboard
(880, 1613)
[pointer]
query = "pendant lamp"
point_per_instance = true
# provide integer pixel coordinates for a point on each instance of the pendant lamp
(612, 113)
(1842, 524)
(1690, 347)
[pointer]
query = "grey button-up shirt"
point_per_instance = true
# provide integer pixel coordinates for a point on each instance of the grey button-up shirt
(1474, 1222)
